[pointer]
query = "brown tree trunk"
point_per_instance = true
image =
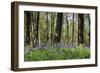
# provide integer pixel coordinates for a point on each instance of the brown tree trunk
(89, 28)
(80, 29)
(67, 29)
(28, 22)
(47, 27)
(57, 36)
(73, 31)
(37, 29)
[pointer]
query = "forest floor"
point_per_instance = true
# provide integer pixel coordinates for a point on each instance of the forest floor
(57, 54)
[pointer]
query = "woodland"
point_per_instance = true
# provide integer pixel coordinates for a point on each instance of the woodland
(56, 36)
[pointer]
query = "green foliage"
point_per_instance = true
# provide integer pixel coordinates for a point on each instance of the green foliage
(43, 30)
(58, 54)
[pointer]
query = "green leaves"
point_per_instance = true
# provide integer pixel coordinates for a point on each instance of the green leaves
(58, 54)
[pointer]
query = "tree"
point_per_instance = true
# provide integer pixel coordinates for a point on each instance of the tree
(37, 28)
(76, 28)
(28, 23)
(47, 32)
(57, 36)
(53, 19)
(73, 30)
(89, 28)
(34, 33)
(67, 29)
(80, 29)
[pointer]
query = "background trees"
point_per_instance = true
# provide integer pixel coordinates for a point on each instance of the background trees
(27, 26)
(80, 29)
(45, 29)
(58, 29)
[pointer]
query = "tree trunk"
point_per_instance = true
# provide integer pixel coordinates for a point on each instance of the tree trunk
(80, 29)
(53, 16)
(47, 27)
(51, 30)
(32, 31)
(37, 29)
(28, 22)
(73, 31)
(89, 28)
(67, 29)
(57, 36)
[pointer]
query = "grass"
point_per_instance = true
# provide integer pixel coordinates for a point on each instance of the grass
(57, 54)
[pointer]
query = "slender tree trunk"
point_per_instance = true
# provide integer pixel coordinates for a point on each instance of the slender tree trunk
(33, 28)
(73, 31)
(53, 16)
(37, 29)
(89, 29)
(76, 29)
(47, 27)
(57, 36)
(80, 29)
(67, 29)
(28, 22)
(51, 30)
(32, 31)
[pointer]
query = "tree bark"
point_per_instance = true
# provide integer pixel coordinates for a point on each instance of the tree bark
(80, 29)
(37, 29)
(28, 22)
(57, 36)
(73, 31)
(67, 29)
(47, 27)
(89, 28)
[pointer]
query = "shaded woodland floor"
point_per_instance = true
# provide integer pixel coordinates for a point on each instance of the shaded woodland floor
(43, 54)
